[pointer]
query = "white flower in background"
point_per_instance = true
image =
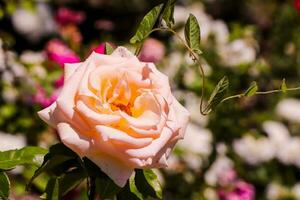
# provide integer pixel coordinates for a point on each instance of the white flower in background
(237, 52)
(2, 57)
(31, 57)
(277, 132)
(9, 94)
(220, 31)
(7, 77)
(289, 109)
(173, 65)
(10, 141)
(221, 165)
(34, 23)
(296, 190)
(196, 145)
(38, 71)
(288, 153)
(210, 194)
(197, 140)
(275, 191)
(254, 151)
(14, 66)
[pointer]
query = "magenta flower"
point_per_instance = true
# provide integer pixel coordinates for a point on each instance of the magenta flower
(240, 190)
(100, 48)
(231, 187)
(152, 51)
(66, 16)
(42, 99)
(297, 5)
(59, 82)
(58, 52)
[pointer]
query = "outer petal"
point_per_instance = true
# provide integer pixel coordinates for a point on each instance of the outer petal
(46, 113)
(182, 116)
(115, 169)
(75, 141)
(70, 68)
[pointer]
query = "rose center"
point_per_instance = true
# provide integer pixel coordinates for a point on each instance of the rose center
(122, 107)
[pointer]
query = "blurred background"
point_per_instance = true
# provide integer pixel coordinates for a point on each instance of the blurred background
(247, 149)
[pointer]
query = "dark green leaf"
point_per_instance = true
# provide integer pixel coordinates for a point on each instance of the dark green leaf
(71, 180)
(251, 90)
(283, 86)
(4, 186)
(108, 48)
(58, 155)
(192, 34)
(106, 188)
(52, 189)
(26, 155)
(146, 25)
(130, 191)
(147, 183)
(168, 13)
(217, 95)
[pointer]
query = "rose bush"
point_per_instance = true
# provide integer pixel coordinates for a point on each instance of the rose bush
(118, 112)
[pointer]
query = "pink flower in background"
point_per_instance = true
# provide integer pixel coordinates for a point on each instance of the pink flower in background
(59, 82)
(297, 5)
(58, 52)
(100, 48)
(42, 99)
(233, 188)
(66, 16)
(240, 190)
(227, 178)
(152, 51)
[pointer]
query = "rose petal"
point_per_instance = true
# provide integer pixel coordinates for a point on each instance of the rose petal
(75, 141)
(70, 68)
(108, 133)
(154, 147)
(95, 117)
(115, 169)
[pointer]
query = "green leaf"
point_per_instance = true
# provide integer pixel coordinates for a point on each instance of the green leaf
(26, 155)
(148, 183)
(108, 48)
(4, 186)
(251, 90)
(52, 189)
(133, 188)
(106, 188)
(146, 25)
(152, 179)
(70, 180)
(57, 156)
(283, 86)
(218, 94)
(130, 191)
(192, 34)
(168, 13)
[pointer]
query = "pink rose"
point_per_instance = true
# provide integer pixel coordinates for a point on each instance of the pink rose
(68, 16)
(58, 52)
(42, 99)
(118, 112)
(153, 51)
